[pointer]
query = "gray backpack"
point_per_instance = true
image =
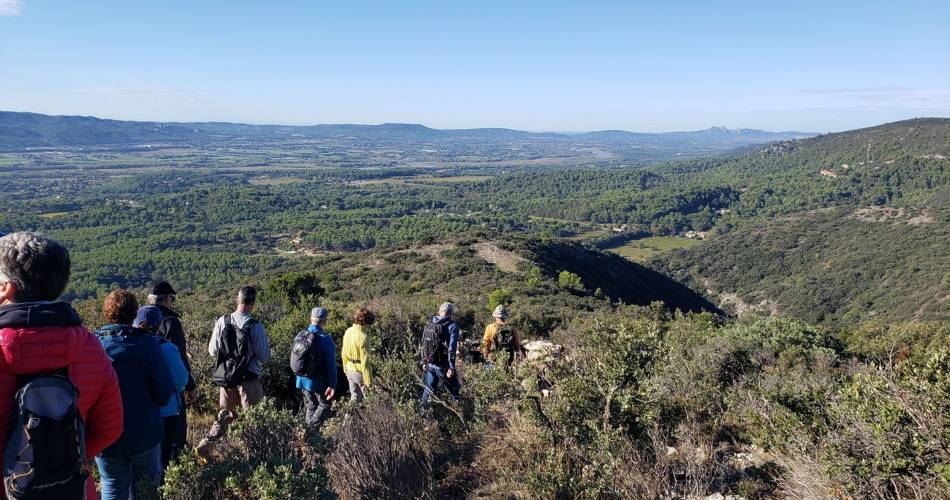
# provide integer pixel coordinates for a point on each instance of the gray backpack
(305, 360)
(46, 444)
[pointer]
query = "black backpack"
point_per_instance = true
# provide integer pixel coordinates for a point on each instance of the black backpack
(303, 355)
(234, 355)
(505, 339)
(435, 344)
(46, 443)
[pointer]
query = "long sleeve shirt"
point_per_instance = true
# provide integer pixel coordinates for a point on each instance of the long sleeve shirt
(172, 330)
(259, 346)
(145, 383)
(179, 377)
(354, 353)
(326, 352)
(455, 333)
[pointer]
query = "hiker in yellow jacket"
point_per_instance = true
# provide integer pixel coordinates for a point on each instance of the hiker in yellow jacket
(355, 354)
(501, 342)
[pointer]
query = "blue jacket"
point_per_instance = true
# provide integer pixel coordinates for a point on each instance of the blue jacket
(326, 350)
(145, 383)
(455, 333)
(179, 377)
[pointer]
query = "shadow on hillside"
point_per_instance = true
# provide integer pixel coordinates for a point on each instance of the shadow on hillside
(617, 277)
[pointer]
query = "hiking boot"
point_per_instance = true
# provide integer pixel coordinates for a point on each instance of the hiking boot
(203, 451)
(218, 429)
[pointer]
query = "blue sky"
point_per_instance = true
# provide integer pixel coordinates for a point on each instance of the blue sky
(545, 65)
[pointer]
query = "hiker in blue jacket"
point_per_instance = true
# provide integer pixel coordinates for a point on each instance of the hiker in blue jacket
(149, 318)
(146, 386)
(319, 388)
(440, 341)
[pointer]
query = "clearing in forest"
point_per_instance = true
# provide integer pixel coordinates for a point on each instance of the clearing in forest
(644, 248)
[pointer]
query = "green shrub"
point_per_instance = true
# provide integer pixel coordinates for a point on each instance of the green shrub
(534, 277)
(293, 288)
(600, 385)
(498, 298)
(569, 281)
(267, 454)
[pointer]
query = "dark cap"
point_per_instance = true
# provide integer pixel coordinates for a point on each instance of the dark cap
(162, 288)
(148, 317)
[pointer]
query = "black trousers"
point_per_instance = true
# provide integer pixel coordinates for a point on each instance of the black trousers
(176, 435)
(317, 407)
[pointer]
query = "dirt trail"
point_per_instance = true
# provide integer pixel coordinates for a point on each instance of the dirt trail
(505, 260)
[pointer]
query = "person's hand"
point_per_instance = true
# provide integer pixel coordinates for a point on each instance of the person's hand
(329, 393)
(450, 373)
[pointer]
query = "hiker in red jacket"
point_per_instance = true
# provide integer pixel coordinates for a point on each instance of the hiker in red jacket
(38, 334)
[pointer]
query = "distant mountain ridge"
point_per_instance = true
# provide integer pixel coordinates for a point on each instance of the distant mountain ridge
(22, 130)
(741, 135)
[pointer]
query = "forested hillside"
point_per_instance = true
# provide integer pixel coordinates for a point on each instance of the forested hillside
(832, 266)
(835, 229)
(207, 216)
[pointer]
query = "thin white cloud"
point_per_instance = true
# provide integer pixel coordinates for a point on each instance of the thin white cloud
(9, 8)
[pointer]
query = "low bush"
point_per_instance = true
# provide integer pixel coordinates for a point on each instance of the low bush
(382, 450)
(268, 454)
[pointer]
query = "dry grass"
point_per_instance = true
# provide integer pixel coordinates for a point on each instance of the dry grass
(503, 259)
(382, 452)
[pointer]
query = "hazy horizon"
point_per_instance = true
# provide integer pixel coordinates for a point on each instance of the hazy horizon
(533, 66)
(564, 132)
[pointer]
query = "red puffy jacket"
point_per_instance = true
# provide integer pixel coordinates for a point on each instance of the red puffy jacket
(44, 336)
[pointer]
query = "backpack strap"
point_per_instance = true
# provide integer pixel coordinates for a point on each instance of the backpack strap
(163, 327)
(448, 332)
(248, 330)
(249, 325)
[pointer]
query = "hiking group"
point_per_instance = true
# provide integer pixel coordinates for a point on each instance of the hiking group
(120, 396)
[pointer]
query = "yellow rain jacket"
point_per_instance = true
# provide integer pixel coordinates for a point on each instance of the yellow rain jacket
(355, 354)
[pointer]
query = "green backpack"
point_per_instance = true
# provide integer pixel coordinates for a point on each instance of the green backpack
(505, 339)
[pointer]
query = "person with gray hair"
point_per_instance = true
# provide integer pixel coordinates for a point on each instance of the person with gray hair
(33, 267)
(237, 373)
(246, 389)
(440, 340)
(43, 338)
(313, 359)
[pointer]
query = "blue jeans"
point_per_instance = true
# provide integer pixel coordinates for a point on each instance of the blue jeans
(431, 380)
(120, 474)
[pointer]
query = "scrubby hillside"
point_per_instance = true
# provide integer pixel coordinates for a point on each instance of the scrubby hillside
(616, 277)
(836, 229)
(468, 271)
(839, 266)
(894, 164)
(642, 402)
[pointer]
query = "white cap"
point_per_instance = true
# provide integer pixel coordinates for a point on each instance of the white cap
(501, 312)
